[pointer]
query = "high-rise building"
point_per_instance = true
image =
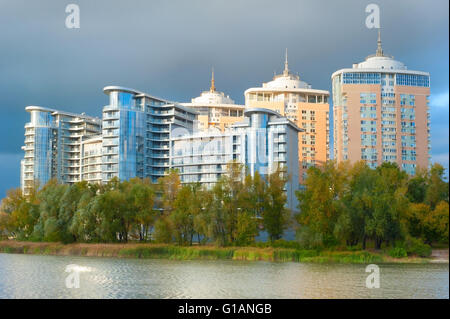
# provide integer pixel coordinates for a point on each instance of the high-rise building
(91, 159)
(136, 133)
(132, 140)
(306, 107)
(216, 110)
(52, 145)
(381, 113)
(263, 141)
(143, 136)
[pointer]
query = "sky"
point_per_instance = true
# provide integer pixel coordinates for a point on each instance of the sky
(167, 49)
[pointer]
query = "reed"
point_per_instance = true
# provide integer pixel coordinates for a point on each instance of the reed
(163, 251)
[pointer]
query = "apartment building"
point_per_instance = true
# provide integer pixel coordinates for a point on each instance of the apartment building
(308, 108)
(216, 110)
(263, 141)
(136, 133)
(381, 113)
(52, 145)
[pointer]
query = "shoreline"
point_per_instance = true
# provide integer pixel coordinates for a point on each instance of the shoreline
(165, 251)
(172, 252)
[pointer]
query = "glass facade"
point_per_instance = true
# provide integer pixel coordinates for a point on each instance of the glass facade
(412, 80)
(361, 78)
(262, 142)
(43, 145)
(52, 146)
(136, 133)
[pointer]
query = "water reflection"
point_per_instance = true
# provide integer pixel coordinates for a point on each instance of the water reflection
(27, 276)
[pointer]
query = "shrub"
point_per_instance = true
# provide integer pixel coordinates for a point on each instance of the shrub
(163, 231)
(415, 246)
(282, 243)
(398, 252)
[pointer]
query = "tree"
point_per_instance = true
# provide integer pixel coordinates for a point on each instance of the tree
(356, 205)
(417, 186)
(141, 199)
(275, 214)
(319, 200)
(389, 205)
(437, 189)
(68, 207)
(19, 213)
(182, 216)
(204, 200)
(438, 223)
(169, 187)
(163, 230)
(86, 221)
(50, 225)
(427, 224)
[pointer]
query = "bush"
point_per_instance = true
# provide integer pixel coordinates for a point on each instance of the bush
(398, 252)
(282, 243)
(415, 246)
(163, 231)
(309, 239)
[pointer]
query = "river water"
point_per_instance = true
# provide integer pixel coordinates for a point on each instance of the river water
(32, 276)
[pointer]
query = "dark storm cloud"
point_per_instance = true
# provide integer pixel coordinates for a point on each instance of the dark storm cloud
(167, 48)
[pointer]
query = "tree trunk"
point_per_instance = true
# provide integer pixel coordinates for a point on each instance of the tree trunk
(378, 242)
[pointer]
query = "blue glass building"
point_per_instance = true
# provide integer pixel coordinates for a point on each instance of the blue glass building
(264, 141)
(136, 133)
(52, 146)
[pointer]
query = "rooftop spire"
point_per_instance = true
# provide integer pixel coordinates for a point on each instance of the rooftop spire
(286, 66)
(379, 48)
(213, 87)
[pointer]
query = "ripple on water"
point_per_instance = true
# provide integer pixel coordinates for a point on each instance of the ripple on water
(28, 276)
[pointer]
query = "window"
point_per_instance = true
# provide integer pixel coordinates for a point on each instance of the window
(412, 80)
(361, 78)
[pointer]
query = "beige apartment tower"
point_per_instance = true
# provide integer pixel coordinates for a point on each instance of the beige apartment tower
(216, 110)
(381, 113)
(308, 108)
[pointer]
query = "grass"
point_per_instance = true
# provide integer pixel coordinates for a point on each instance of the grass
(162, 251)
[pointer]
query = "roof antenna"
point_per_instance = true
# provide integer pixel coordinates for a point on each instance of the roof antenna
(286, 66)
(213, 87)
(379, 48)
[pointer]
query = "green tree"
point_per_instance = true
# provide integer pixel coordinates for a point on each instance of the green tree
(356, 205)
(390, 204)
(182, 216)
(141, 214)
(19, 213)
(86, 220)
(163, 230)
(169, 186)
(204, 201)
(417, 186)
(319, 200)
(275, 214)
(50, 227)
(437, 189)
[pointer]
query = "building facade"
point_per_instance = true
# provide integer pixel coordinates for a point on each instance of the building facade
(381, 113)
(136, 133)
(91, 159)
(131, 140)
(216, 110)
(263, 141)
(52, 146)
(306, 107)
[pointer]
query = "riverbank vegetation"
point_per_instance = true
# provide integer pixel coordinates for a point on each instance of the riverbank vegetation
(345, 208)
(350, 205)
(231, 213)
(196, 252)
